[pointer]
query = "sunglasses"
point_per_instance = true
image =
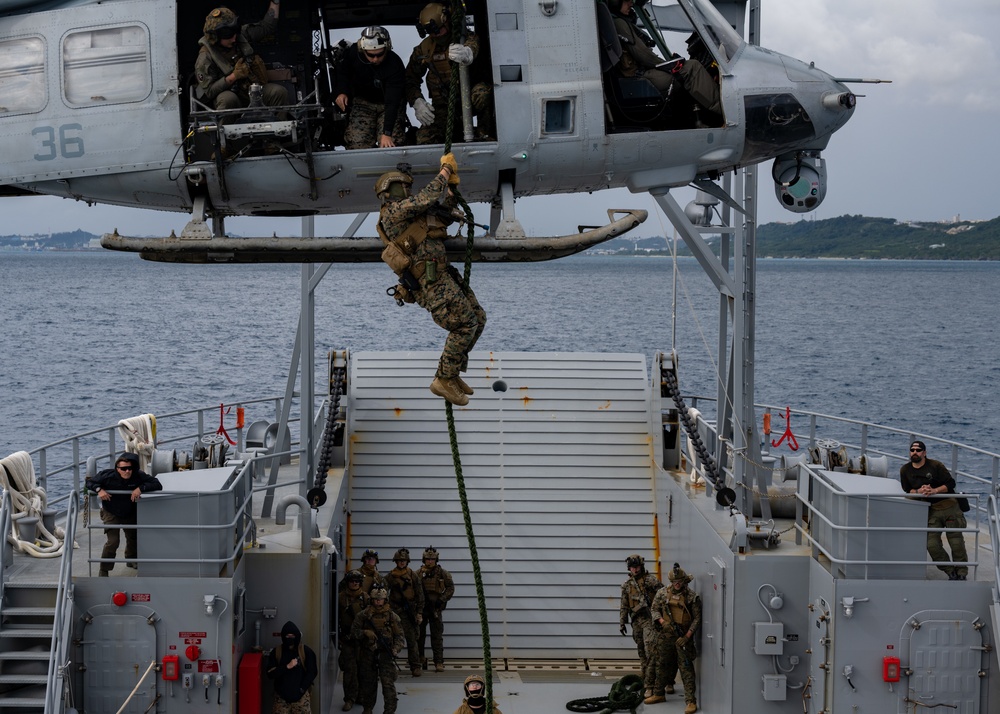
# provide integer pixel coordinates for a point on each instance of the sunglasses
(374, 55)
(124, 468)
(915, 451)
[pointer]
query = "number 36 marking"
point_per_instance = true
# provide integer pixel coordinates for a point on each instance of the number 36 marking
(69, 147)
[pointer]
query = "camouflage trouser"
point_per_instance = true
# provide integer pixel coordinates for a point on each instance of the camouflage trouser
(435, 622)
(670, 658)
(274, 95)
(645, 642)
(944, 518)
(375, 667)
(365, 125)
(280, 706)
(452, 308)
(348, 663)
(482, 110)
(410, 632)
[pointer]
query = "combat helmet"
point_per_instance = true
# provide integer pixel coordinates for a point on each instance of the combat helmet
(383, 187)
(378, 594)
(401, 554)
(370, 554)
(375, 38)
(354, 576)
(677, 573)
(431, 553)
(220, 24)
(473, 692)
(433, 17)
(635, 561)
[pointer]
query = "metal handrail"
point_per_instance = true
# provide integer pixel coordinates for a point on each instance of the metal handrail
(62, 626)
(6, 549)
(816, 515)
(957, 455)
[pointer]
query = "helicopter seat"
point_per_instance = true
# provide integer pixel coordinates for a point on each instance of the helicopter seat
(631, 103)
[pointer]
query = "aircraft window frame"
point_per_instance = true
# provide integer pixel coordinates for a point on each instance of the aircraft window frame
(561, 120)
(88, 76)
(23, 80)
(718, 34)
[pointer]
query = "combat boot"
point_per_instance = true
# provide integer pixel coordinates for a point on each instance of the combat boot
(466, 389)
(692, 707)
(446, 388)
(670, 689)
(415, 671)
(655, 699)
(438, 667)
(348, 705)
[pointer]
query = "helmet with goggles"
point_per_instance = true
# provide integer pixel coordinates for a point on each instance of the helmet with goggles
(221, 24)
(433, 17)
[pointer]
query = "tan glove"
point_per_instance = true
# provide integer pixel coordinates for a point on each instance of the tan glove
(241, 70)
(449, 161)
(681, 642)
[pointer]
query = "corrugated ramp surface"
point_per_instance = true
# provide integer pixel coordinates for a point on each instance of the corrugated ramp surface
(556, 459)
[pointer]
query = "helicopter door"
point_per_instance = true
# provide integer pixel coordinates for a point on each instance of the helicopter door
(88, 90)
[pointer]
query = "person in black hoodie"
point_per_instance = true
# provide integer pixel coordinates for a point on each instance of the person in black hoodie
(118, 509)
(292, 666)
(369, 85)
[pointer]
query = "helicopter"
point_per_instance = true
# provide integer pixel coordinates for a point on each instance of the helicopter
(100, 105)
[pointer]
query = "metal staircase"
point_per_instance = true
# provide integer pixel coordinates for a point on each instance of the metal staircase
(27, 618)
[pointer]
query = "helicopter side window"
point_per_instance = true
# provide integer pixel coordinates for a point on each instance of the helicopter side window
(22, 76)
(106, 66)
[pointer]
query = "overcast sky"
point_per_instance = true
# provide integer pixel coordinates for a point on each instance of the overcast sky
(925, 147)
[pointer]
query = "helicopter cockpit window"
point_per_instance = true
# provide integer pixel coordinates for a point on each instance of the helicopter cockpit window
(22, 75)
(106, 66)
(719, 35)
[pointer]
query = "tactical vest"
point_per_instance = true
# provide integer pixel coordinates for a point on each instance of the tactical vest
(435, 59)
(434, 584)
(401, 586)
(380, 619)
(398, 250)
(679, 611)
(350, 608)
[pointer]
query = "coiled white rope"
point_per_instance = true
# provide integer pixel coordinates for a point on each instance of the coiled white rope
(17, 476)
(139, 435)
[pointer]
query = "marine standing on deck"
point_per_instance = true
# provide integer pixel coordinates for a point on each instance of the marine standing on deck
(413, 231)
(379, 635)
(438, 590)
(121, 509)
(676, 611)
(637, 595)
(371, 578)
(927, 477)
(350, 603)
(406, 598)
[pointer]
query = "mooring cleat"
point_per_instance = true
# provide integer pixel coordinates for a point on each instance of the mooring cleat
(466, 389)
(446, 388)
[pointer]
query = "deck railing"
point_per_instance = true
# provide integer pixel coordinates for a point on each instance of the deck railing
(62, 626)
(976, 471)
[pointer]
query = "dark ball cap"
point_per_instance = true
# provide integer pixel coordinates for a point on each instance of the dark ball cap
(919, 444)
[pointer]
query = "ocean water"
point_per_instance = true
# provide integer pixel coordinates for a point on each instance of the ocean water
(89, 338)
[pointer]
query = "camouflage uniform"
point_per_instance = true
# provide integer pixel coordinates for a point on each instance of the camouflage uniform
(365, 125)
(216, 62)
(406, 598)
(379, 635)
(637, 594)
(438, 590)
(370, 574)
(680, 609)
(349, 604)
(430, 57)
(452, 304)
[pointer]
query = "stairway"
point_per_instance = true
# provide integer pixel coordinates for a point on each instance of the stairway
(27, 614)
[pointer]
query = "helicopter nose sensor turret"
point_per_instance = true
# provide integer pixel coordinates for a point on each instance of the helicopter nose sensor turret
(800, 180)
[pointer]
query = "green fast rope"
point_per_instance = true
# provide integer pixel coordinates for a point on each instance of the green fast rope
(457, 27)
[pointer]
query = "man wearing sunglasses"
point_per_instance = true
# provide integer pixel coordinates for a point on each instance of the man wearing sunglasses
(928, 478)
(119, 489)
(433, 57)
(227, 65)
(369, 84)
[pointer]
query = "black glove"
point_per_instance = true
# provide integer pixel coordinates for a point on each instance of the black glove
(624, 630)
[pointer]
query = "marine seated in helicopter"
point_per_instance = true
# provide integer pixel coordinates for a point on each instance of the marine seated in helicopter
(688, 88)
